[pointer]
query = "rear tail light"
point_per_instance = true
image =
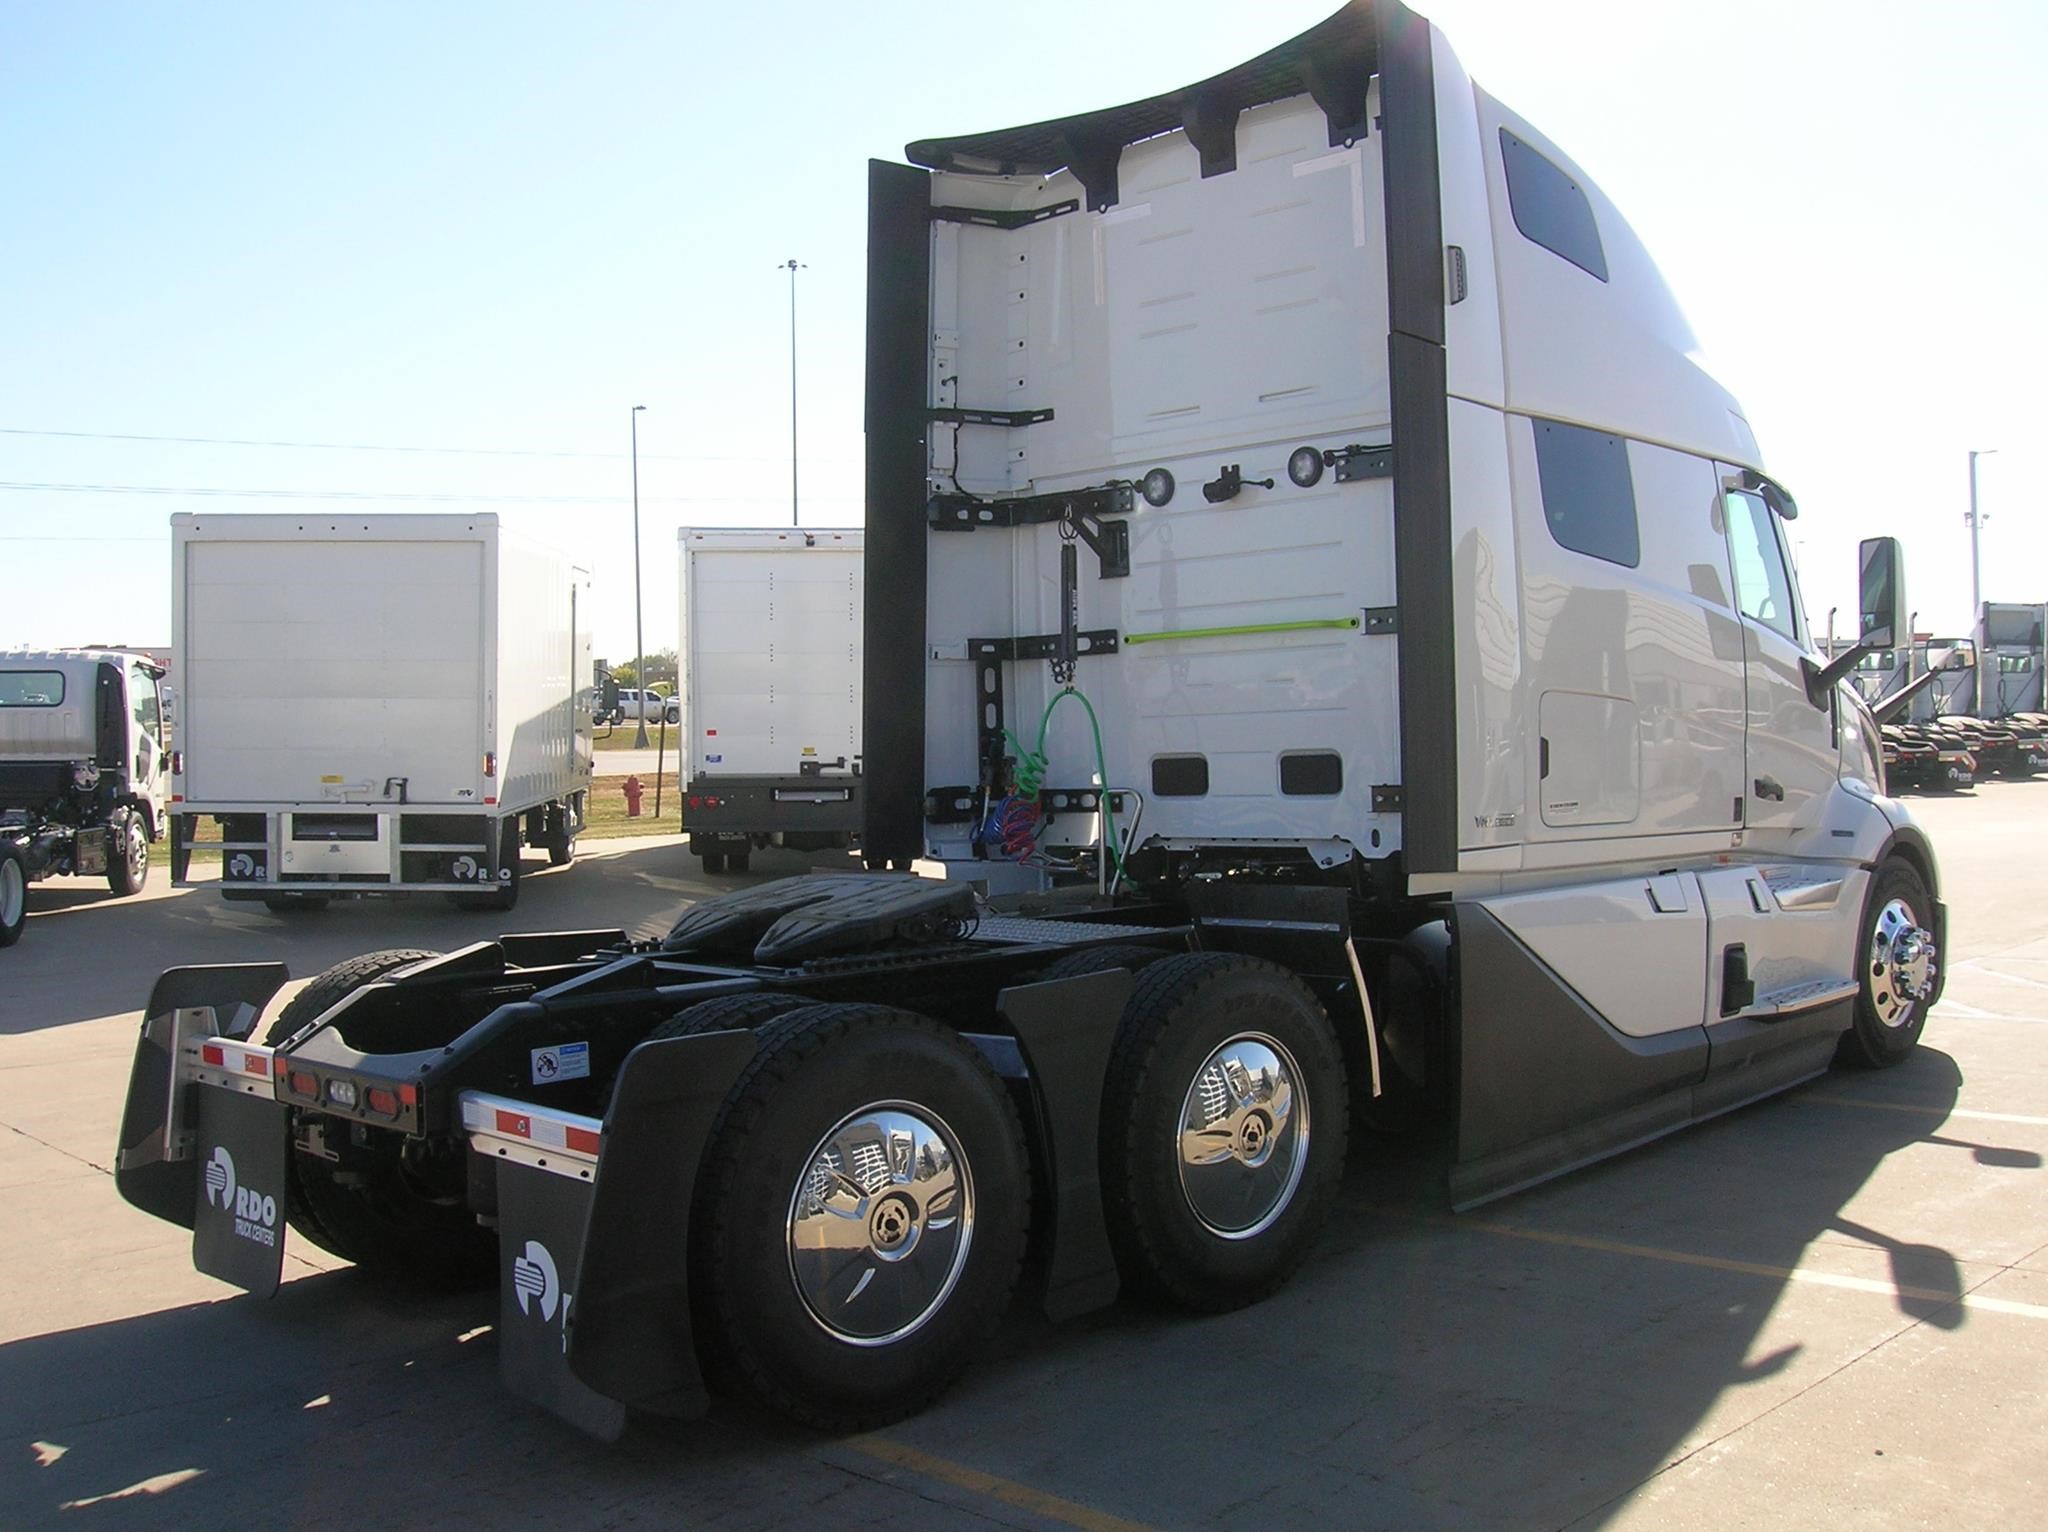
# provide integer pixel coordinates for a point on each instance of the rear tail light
(381, 1101)
(303, 1084)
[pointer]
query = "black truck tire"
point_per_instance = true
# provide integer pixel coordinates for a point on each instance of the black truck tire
(1894, 956)
(563, 821)
(127, 852)
(847, 1322)
(13, 895)
(1127, 956)
(724, 1013)
(1214, 1184)
(375, 1214)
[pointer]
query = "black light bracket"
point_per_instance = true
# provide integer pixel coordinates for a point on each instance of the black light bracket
(1011, 419)
(991, 654)
(1004, 218)
(1079, 512)
(1362, 462)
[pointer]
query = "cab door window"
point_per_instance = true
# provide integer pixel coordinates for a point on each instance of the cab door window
(1763, 583)
(142, 694)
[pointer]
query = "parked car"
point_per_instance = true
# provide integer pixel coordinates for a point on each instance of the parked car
(652, 706)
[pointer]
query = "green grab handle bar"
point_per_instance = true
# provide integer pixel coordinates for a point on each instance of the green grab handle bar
(1250, 627)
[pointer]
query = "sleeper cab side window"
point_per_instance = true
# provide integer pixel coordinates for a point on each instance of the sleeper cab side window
(1550, 208)
(1589, 496)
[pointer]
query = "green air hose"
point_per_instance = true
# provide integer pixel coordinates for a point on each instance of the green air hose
(1031, 768)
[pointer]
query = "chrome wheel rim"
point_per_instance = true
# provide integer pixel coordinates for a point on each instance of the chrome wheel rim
(13, 894)
(1242, 1139)
(880, 1223)
(138, 851)
(1903, 963)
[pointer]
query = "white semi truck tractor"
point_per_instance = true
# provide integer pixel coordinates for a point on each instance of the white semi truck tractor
(1329, 651)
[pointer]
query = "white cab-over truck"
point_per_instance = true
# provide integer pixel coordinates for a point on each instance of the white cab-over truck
(82, 771)
(1333, 652)
(376, 704)
(771, 641)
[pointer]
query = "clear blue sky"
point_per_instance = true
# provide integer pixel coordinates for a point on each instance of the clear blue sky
(498, 226)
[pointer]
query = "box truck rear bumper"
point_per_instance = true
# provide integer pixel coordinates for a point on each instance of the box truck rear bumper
(766, 807)
(345, 849)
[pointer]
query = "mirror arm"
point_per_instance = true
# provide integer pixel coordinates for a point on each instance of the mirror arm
(1888, 708)
(1821, 680)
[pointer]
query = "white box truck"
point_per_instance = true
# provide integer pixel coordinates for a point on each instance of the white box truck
(1312, 460)
(376, 704)
(771, 699)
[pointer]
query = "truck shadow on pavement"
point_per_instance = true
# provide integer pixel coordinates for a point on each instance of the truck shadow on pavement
(1525, 1365)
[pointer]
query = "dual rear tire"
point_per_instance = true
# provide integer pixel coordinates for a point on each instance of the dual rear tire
(860, 1219)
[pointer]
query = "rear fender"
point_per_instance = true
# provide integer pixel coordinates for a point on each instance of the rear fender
(154, 1165)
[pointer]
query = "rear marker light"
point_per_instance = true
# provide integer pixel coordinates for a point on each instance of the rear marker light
(409, 1094)
(490, 763)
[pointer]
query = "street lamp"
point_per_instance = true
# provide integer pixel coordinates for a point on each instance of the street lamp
(639, 640)
(1976, 580)
(792, 266)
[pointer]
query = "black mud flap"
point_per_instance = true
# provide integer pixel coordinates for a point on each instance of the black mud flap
(241, 1147)
(1066, 1029)
(541, 1221)
(632, 1339)
(154, 1166)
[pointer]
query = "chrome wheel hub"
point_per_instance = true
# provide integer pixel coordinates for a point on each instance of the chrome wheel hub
(880, 1223)
(13, 892)
(1243, 1136)
(1903, 963)
(138, 850)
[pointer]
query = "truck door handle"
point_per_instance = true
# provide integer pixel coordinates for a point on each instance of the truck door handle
(1769, 787)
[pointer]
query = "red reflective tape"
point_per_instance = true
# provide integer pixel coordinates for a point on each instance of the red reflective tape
(255, 1064)
(212, 1055)
(515, 1125)
(409, 1094)
(277, 1065)
(582, 1140)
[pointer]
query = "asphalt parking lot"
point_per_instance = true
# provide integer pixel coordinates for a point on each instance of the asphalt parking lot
(1828, 1308)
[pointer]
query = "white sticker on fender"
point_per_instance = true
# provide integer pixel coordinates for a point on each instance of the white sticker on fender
(564, 1061)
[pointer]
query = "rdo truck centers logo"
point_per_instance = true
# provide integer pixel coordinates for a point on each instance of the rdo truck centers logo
(255, 1214)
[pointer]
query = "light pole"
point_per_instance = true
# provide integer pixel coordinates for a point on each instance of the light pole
(792, 266)
(639, 641)
(1976, 579)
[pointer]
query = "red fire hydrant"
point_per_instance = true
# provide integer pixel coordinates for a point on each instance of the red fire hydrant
(633, 789)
